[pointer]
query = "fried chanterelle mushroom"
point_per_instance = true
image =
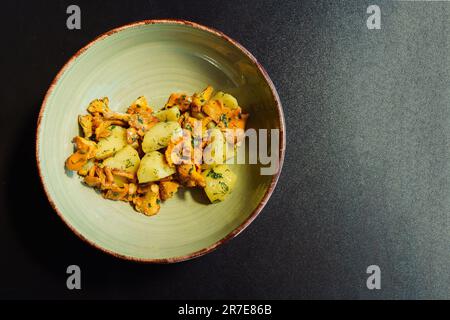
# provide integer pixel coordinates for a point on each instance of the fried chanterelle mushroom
(144, 156)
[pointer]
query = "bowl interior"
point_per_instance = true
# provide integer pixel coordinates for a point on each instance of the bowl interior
(153, 60)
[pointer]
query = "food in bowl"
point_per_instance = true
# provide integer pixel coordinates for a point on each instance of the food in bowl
(154, 58)
(144, 156)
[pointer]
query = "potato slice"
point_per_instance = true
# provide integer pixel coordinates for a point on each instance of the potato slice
(214, 151)
(116, 141)
(171, 114)
(153, 167)
(160, 134)
(227, 100)
(220, 181)
(126, 159)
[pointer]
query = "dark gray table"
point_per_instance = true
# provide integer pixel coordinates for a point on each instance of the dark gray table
(366, 178)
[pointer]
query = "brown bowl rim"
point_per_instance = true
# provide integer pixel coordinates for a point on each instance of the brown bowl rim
(255, 212)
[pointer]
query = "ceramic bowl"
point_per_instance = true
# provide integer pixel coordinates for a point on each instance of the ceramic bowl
(154, 58)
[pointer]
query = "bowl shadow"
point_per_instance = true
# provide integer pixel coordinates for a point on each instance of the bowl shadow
(196, 193)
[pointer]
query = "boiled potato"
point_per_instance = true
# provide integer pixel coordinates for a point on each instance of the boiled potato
(227, 100)
(126, 159)
(154, 167)
(116, 141)
(214, 152)
(171, 114)
(160, 134)
(220, 181)
(230, 151)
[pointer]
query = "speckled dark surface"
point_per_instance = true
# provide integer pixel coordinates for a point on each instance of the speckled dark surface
(366, 178)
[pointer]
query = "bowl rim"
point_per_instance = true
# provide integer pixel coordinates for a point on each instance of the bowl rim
(254, 213)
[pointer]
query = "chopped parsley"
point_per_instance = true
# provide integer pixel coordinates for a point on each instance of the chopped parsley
(223, 118)
(158, 201)
(128, 163)
(224, 186)
(214, 174)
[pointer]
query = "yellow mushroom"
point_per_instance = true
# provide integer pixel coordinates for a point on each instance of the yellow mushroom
(140, 105)
(99, 106)
(85, 150)
(86, 124)
(190, 175)
(167, 189)
(199, 99)
(149, 204)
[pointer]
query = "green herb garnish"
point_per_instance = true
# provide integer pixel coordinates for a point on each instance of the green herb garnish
(128, 163)
(224, 186)
(223, 118)
(214, 174)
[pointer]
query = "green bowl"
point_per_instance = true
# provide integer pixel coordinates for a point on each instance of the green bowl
(154, 58)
